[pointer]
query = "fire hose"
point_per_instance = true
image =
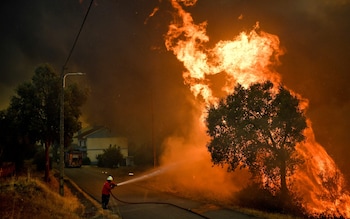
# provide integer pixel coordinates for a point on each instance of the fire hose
(161, 203)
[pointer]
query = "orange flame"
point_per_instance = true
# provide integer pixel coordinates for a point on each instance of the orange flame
(319, 181)
(250, 58)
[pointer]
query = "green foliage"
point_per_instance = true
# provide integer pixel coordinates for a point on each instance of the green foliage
(86, 161)
(257, 128)
(35, 107)
(74, 99)
(34, 114)
(39, 160)
(110, 158)
(14, 147)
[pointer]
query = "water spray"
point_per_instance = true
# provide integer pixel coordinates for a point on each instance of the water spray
(145, 176)
(151, 174)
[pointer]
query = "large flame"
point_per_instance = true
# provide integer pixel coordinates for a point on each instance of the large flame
(248, 58)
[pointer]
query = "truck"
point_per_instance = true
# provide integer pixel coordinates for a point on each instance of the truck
(7, 169)
(73, 158)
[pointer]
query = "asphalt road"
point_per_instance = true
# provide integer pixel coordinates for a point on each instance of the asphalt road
(134, 201)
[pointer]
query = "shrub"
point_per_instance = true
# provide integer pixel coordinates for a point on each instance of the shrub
(86, 161)
(110, 158)
(39, 160)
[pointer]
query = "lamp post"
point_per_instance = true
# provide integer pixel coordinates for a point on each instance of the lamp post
(61, 166)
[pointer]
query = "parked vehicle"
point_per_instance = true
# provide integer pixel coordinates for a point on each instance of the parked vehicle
(73, 158)
(7, 169)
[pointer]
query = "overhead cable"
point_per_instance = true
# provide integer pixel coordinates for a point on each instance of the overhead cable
(77, 37)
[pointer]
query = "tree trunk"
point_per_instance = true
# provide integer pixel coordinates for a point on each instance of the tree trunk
(47, 161)
(284, 189)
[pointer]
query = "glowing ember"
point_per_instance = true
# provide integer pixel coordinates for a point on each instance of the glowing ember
(250, 58)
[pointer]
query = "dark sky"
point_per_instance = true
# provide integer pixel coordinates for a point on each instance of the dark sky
(132, 77)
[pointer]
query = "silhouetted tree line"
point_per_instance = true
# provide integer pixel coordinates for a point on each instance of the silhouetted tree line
(33, 117)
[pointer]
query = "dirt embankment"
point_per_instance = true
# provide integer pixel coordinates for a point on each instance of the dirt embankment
(31, 197)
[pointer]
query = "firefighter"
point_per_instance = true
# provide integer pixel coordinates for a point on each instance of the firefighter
(106, 191)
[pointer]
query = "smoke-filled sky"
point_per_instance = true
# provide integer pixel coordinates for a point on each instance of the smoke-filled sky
(136, 84)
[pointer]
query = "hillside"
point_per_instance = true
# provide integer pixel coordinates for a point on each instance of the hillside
(25, 197)
(30, 197)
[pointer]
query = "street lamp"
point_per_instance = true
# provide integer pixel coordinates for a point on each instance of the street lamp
(63, 78)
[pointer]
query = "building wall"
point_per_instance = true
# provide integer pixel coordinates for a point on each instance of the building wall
(96, 146)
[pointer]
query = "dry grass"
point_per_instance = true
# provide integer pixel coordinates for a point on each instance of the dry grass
(25, 197)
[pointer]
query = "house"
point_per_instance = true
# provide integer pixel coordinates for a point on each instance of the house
(93, 140)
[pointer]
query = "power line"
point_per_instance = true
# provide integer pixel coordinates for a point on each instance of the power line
(77, 37)
(61, 190)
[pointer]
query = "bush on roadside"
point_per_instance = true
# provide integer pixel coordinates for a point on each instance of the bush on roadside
(86, 161)
(110, 158)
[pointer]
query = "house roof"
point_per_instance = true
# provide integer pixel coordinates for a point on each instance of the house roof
(89, 131)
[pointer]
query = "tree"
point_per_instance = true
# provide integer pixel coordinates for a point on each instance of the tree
(14, 147)
(35, 109)
(258, 129)
(111, 157)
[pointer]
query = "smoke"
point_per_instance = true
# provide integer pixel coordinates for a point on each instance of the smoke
(246, 60)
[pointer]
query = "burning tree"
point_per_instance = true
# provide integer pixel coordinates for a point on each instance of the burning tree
(258, 128)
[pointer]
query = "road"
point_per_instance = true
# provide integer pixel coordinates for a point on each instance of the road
(137, 201)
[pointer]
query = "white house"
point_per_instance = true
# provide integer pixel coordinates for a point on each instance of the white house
(93, 140)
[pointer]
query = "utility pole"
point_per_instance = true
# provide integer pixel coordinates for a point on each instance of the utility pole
(63, 78)
(61, 164)
(153, 145)
(62, 134)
